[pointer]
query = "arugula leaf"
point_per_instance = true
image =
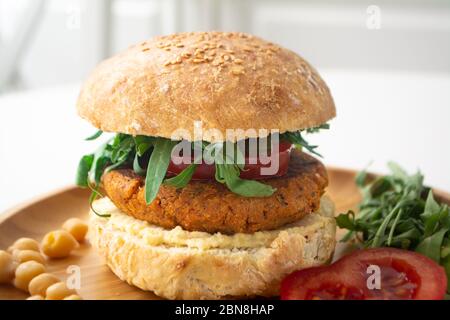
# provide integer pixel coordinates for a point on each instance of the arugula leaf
(137, 166)
(431, 246)
(183, 178)
(94, 195)
(229, 174)
(431, 214)
(325, 126)
(297, 139)
(122, 149)
(445, 260)
(445, 250)
(397, 171)
(143, 144)
(347, 221)
(157, 167)
(84, 166)
(361, 178)
(94, 136)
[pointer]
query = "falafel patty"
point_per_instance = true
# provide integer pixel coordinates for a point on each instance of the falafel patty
(210, 207)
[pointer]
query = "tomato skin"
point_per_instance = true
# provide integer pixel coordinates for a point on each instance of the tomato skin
(251, 170)
(417, 278)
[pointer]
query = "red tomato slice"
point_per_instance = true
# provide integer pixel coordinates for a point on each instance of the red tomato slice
(403, 275)
(251, 170)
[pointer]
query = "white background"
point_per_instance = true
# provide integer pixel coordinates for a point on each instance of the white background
(391, 85)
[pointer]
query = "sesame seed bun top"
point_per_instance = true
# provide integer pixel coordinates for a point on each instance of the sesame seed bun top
(225, 80)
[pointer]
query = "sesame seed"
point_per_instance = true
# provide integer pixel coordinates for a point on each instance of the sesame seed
(238, 61)
(196, 60)
(198, 51)
(237, 71)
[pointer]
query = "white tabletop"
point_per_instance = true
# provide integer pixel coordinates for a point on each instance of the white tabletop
(381, 117)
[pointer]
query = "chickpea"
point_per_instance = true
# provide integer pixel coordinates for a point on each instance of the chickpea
(58, 291)
(28, 255)
(39, 284)
(73, 297)
(58, 244)
(24, 244)
(25, 272)
(36, 297)
(7, 267)
(76, 227)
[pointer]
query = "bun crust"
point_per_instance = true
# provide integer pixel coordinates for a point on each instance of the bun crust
(178, 264)
(226, 80)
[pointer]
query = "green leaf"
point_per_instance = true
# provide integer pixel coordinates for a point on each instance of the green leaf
(380, 234)
(431, 214)
(229, 174)
(379, 186)
(325, 126)
(361, 178)
(94, 136)
(122, 149)
(84, 166)
(297, 139)
(183, 178)
(157, 167)
(446, 264)
(116, 165)
(398, 171)
(143, 144)
(346, 221)
(445, 250)
(393, 227)
(94, 195)
(137, 167)
(431, 246)
(101, 160)
(98, 168)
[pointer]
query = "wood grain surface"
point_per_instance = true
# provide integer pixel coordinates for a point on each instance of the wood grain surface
(37, 217)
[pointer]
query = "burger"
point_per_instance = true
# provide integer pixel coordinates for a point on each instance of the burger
(206, 186)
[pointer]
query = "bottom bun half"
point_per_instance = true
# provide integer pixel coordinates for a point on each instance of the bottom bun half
(179, 264)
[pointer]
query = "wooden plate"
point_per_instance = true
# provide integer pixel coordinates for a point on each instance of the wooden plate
(47, 213)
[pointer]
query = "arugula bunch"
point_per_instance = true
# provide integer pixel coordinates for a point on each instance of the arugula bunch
(397, 210)
(150, 157)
